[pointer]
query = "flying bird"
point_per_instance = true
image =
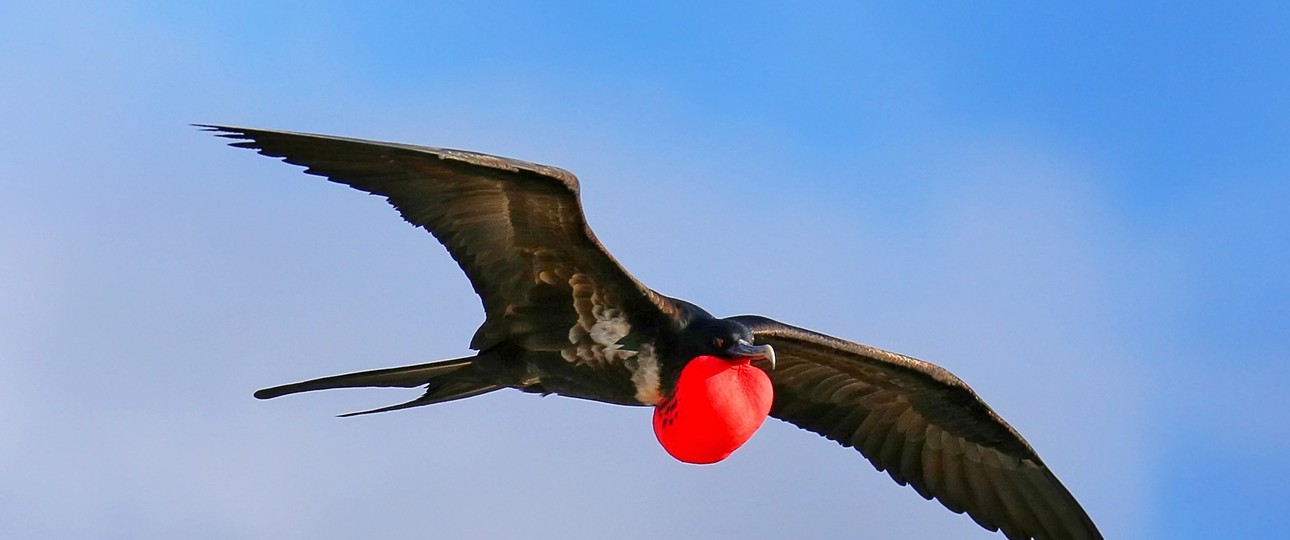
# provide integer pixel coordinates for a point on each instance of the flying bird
(564, 317)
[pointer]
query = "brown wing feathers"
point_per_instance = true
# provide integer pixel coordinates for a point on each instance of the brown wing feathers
(515, 228)
(923, 426)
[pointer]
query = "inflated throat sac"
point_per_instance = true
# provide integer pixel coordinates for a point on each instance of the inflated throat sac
(716, 407)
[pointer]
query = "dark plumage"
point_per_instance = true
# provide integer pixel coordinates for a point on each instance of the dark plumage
(563, 317)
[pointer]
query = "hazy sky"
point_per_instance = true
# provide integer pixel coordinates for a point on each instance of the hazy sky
(1081, 211)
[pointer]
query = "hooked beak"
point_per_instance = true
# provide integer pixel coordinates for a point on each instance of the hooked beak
(743, 349)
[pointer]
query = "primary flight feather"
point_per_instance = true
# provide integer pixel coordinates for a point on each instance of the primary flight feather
(563, 317)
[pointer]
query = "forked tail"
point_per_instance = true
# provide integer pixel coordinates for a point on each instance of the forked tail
(446, 380)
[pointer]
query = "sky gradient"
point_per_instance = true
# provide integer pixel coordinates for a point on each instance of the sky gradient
(1081, 211)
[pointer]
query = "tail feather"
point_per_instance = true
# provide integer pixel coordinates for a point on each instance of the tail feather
(436, 394)
(404, 376)
(445, 380)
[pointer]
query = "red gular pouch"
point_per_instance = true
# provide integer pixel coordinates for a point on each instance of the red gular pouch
(716, 407)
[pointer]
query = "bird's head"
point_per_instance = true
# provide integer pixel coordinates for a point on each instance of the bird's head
(724, 339)
(720, 399)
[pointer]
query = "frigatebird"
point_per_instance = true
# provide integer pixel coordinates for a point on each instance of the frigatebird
(562, 316)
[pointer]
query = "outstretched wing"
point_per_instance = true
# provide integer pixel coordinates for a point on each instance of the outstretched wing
(515, 228)
(922, 425)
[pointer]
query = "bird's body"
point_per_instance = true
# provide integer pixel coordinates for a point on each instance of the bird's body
(563, 317)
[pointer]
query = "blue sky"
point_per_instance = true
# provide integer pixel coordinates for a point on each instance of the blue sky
(1080, 210)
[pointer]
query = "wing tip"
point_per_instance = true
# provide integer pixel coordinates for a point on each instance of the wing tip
(217, 128)
(241, 136)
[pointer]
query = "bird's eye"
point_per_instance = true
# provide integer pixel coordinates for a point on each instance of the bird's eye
(718, 343)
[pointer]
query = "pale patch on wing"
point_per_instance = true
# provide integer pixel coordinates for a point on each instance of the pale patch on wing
(645, 375)
(594, 339)
(610, 327)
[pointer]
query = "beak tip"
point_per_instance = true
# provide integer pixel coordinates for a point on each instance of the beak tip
(759, 352)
